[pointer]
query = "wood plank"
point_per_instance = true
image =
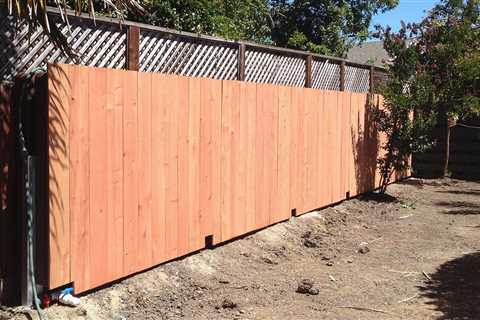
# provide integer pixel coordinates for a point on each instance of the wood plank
(240, 207)
(79, 179)
(354, 162)
(284, 144)
(346, 140)
(182, 104)
(330, 112)
(115, 183)
(130, 171)
(250, 109)
(272, 156)
(311, 131)
(210, 158)
(195, 236)
(298, 172)
(145, 172)
(261, 213)
(323, 169)
(229, 173)
(97, 84)
(59, 182)
(159, 166)
(172, 86)
(337, 192)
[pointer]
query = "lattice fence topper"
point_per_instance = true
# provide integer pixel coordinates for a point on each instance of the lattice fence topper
(357, 79)
(100, 45)
(266, 67)
(325, 75)
(103, 43)
(160, 52)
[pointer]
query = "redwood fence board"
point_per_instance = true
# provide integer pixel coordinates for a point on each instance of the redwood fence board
(144, 167)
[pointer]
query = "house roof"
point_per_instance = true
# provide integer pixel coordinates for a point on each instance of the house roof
(369, 52)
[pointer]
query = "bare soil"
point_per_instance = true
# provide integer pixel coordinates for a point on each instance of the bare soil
(412, 255)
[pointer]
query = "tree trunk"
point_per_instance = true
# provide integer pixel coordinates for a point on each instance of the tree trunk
(446, 147)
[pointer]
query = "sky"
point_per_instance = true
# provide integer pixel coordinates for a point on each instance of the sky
(407, 10)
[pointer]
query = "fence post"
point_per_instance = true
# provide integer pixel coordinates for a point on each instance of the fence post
(342, 76)
(241, 62)
(308, 71)
(372, 74)
(133, 48)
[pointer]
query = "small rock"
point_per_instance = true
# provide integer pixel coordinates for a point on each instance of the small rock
(306, 287)
(349, 261)
(224, 281)
(329, 263)
(267, 260)
(364, 249)
(309, 243)
(228, 304)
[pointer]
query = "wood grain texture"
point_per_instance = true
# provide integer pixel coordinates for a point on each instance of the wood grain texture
(79, 179)
(115, 137)
(210, 158)
(59, 85)
(159, 167)
(145, 174)
(144, 166)
(98, 178)
(130, 172)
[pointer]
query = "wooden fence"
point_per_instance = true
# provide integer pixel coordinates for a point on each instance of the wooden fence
(143, 166)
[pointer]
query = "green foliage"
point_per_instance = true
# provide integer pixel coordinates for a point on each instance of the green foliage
(434, 76)
(230, 19)
(324, 26)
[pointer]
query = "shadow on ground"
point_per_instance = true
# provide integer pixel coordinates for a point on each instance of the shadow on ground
(461, 192)
(455, 288)
(460, 207)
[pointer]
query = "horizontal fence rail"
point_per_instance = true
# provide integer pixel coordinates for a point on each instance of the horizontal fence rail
(135, 46)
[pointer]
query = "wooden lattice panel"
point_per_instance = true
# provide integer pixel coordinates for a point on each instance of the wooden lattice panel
(100, 45)
(357, 79)
(325, 75)
(267, 67)
(164, 53)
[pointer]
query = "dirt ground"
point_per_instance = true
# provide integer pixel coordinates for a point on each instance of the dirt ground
(415, 255)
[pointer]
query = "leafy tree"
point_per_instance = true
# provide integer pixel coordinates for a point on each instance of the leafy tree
(324, 26)
(230, 19)
(434, 76)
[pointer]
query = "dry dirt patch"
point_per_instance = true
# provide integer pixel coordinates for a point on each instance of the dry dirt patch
(414, 255)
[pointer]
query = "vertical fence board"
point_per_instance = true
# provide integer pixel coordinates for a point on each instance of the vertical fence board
(240, 221)
(145, 174)
(195, 237)
(115, 173)
(130, 167)
(322, 164)
(97, 83)
(159, 167)
(59, 184)
(210, 147)
(284, 144)
(182, 99)
(261, 219)
(298, 175)
(227, 165)
(346, 141)
(172, 86)
(250, 108)
(311, 135)
(337, 191)
(79, 179)
(233, 164)
(270, 147)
